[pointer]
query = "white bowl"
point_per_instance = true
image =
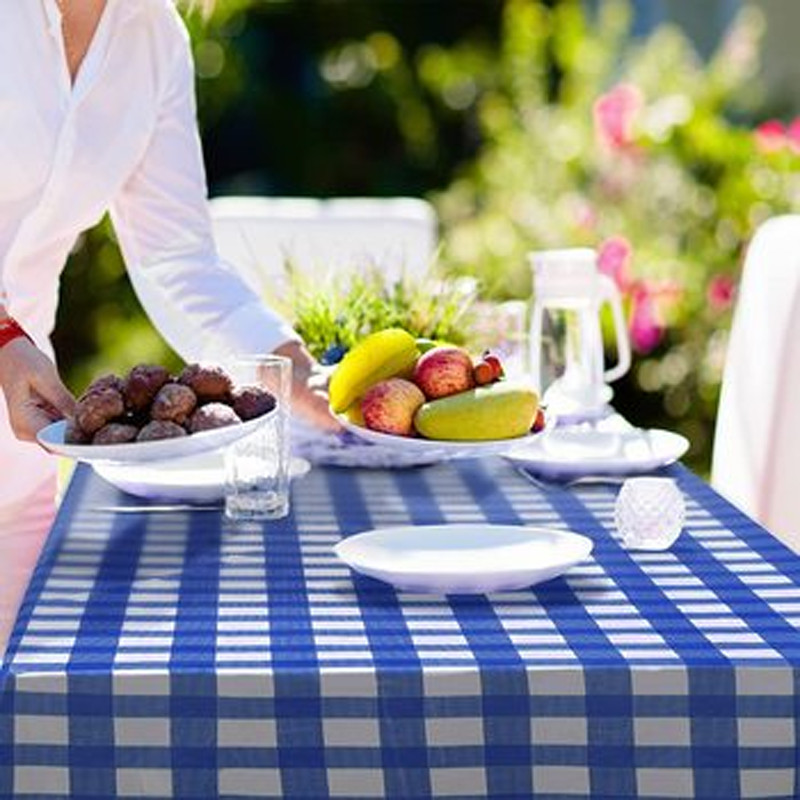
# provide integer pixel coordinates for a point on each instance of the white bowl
(52, 439)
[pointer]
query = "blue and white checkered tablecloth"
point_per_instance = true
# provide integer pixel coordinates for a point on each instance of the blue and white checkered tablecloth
(173, 655)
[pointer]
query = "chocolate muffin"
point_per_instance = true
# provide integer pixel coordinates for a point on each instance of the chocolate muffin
(174, 402)
(142, 385)
(160, 429)
(212, 415)
(115, 433)
(251, 401)
(97, 408)
(210, 383)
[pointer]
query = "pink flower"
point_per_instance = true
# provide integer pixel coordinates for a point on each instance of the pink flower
(614, 260)
(771, 136)
(615, 113)
(793, 134)
(646, 326)
(720, 292)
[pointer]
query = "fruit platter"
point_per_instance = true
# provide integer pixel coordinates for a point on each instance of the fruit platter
(418, 396)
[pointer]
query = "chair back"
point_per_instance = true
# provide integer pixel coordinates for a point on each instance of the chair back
(756, 458)
(325, 240)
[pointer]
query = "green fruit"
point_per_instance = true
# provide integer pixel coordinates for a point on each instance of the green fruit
(499, 411)
(423, 344)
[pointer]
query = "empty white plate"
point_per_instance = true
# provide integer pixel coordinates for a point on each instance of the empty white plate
(571, 452)
(463, 558)
(197, 478)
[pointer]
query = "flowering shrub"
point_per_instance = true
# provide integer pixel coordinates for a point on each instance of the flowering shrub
(637, 148)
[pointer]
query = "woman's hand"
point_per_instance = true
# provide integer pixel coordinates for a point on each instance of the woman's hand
(34, 393)
(309, 400)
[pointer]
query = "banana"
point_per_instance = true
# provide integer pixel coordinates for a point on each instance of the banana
(381, 355)
(355, 415)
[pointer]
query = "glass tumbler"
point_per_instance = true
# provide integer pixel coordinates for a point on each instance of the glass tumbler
(257, 466)
(649, 513)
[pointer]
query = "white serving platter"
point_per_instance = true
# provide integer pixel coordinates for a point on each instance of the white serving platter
(431, 450)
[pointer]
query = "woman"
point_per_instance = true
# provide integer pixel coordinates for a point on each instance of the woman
(97, 109)
(97, 113)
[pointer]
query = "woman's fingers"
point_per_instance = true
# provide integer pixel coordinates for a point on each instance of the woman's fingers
(313, 407)
(307, 401)
(31, 418)
(34, 393)
(49, 387)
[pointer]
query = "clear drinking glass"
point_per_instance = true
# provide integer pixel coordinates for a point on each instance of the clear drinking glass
(257, 466)
(649, 513)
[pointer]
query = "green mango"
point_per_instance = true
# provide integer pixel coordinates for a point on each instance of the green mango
(501, 410)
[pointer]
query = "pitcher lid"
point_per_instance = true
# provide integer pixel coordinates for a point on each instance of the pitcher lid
(571, 272)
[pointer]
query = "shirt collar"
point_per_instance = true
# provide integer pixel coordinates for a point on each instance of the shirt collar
(124, 9)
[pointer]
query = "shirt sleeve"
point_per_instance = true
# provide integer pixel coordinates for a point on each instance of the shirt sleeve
(200, 305)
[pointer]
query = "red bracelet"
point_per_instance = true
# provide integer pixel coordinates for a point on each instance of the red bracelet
(10, 329)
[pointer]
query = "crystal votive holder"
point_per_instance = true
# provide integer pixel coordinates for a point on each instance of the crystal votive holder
(649, 513)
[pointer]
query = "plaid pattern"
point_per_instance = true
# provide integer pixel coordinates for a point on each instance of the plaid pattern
(173, 655)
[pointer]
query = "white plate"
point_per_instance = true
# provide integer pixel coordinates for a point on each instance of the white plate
(571, 452)
(52, 439)
(435, 449)
(198, 478)
(463, 558)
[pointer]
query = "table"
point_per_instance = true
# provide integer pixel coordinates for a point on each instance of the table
(173, 655)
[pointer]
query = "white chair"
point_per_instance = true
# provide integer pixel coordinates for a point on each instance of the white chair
(756, 459)
(323, 239)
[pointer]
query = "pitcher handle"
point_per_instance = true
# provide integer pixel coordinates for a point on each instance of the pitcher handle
(611, 295)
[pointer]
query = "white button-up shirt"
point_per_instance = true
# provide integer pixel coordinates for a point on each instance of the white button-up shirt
(122, 139)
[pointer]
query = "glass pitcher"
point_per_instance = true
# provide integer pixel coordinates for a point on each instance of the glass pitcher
(566, 340)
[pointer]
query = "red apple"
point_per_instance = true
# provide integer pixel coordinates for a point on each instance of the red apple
(389, 406)
(443, 371)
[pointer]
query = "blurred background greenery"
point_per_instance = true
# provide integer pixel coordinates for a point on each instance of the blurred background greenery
(659, 132)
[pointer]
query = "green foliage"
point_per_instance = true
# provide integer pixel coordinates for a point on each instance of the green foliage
(328, 318)
(675, 175)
